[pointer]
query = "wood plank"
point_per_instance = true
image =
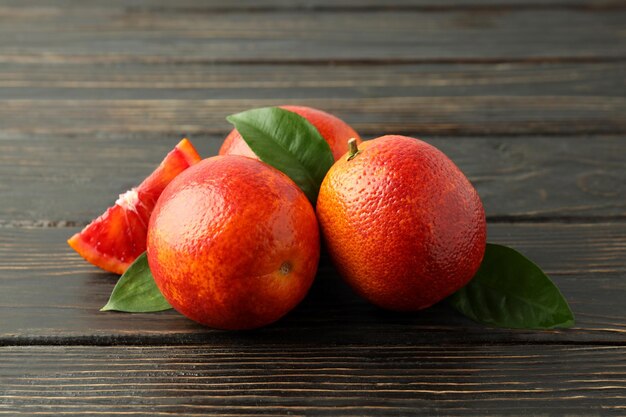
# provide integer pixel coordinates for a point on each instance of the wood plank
(245, 378)
(217, 6)
(476, 115)
(153, 35)
(143, 81)
(49, 295)
(49, 180)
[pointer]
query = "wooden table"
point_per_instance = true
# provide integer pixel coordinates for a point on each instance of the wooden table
(526, 96)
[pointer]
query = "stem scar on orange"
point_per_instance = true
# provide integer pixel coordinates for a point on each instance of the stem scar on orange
(334, 130)
(116, 238)
(233, 243)
(403, 225)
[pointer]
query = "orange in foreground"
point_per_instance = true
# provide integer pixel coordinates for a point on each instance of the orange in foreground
(116, 238)
(403, 225)
(233, 243)
(333, 129)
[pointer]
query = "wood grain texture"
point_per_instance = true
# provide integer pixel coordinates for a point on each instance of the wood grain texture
(491, 99)
(51, 295)
(243, 379)
(113, 35)
(255, 6)
(143, 81)
(482, 115)
(477, 115)
(47, 180)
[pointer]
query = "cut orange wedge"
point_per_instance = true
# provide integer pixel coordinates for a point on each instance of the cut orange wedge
(116, 238)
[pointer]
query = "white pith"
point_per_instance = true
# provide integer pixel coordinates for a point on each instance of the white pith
(128, 200)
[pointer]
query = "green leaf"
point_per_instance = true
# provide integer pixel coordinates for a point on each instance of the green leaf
(136, 291)
(511, 291)
(289, 143)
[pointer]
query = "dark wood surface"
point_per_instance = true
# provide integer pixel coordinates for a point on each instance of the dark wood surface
(185, 35)
(572, 178)
(528, 97)
(247, 379)
(52, 297)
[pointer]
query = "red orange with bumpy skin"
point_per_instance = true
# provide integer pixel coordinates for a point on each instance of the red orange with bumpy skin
(233, 243)
(402, 223)
(116, 238)
(333, 129)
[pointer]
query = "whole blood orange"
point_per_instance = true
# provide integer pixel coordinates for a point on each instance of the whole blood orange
(233, 243)
(333, 129)
(116, 238)
(403, 225)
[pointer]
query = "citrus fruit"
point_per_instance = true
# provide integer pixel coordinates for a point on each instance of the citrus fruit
(116, 238)
(403, 225)
(233, 243)
(334, 130)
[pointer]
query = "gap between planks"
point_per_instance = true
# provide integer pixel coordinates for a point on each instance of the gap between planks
(112, 59)
(265, 7)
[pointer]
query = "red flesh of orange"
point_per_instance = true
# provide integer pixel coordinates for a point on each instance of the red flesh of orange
(116, 238)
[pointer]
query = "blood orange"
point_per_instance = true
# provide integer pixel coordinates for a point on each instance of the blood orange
(403, 225)
(247, 250)
(116, 238)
